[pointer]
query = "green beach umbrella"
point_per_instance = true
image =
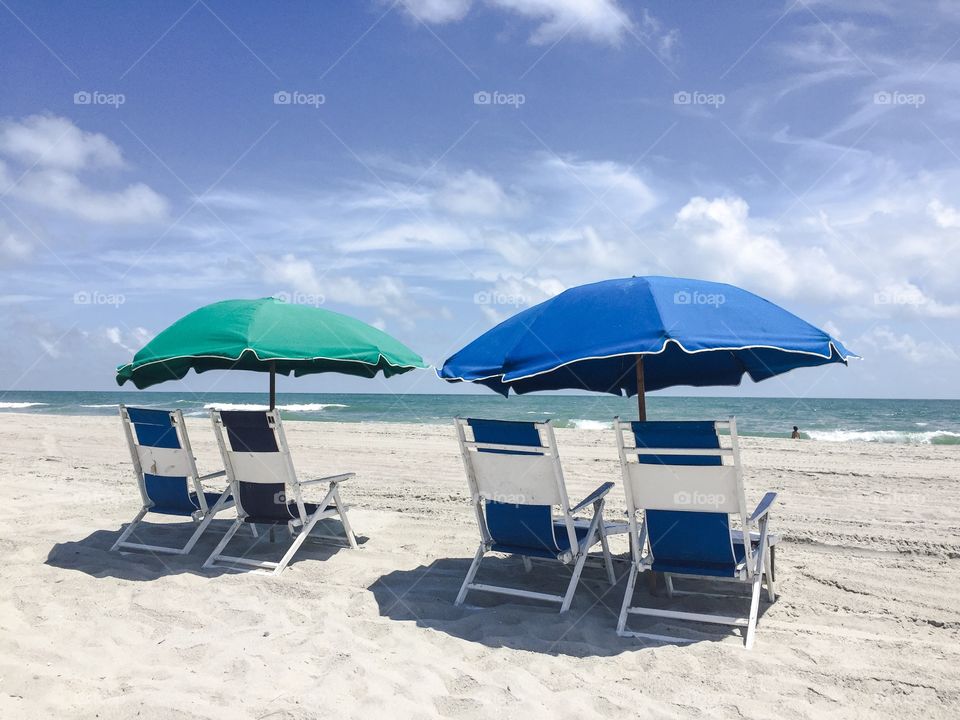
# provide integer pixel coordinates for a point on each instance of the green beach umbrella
(267, 335)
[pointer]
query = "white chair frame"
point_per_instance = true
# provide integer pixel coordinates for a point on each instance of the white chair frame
(579, 550)
(757, 564)
(183, 460)
(279, 468)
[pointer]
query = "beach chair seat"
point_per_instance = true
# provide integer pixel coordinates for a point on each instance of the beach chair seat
(676, 479)
(513, 470)
(167, 476)
(266, 487)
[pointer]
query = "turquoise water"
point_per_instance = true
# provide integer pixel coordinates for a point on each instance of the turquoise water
(892, 421)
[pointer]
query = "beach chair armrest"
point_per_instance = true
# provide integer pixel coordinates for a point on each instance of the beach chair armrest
(763, 507)
(593, 497)
(331, 479)
(211, 476)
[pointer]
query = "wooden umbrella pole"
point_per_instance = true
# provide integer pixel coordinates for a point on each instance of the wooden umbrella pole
(641, 392)
(273, 384)
(642, 411)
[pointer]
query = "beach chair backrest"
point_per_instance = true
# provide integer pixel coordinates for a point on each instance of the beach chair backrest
(515, 478)
(675, 473)
(258, 463)
(162, 459)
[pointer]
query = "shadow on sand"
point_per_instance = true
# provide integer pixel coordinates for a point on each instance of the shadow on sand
(92, 555)
(425, 595)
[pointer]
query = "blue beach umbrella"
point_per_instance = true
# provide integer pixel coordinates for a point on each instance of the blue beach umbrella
(630, 335)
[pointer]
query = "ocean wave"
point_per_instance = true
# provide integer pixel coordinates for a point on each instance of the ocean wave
(294, 408)
(101, 406)
(19, 405)
(311, 407)
(932, 437)
(234, 406)
(590, 424)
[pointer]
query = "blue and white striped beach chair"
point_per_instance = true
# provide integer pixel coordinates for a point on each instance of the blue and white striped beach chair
(265, 485)
(515, 479)
(674, 473)
(167, 475)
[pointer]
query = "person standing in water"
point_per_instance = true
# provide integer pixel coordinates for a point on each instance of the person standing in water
(795, 435)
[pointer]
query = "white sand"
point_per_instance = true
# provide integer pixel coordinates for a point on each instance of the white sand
(866, 624)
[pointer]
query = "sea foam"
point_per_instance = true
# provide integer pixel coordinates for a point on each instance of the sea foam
(932, 437)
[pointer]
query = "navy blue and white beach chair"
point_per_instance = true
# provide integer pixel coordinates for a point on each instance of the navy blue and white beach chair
(265, 485)
(516, 481)
(675, 476)
(167, 475)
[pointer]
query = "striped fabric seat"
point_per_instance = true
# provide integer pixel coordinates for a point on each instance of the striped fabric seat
(167, 475)
(266, 487)
(687, 499)
(515, 479)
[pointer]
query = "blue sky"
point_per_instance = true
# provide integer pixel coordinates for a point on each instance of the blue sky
(432, 166)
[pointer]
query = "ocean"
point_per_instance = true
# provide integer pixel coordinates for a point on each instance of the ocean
(830, 420)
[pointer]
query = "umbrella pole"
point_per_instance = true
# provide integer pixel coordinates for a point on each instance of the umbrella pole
(641, 391)
(652, 578)
(273, 384)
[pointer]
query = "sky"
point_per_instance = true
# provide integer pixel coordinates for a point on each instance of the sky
(433, 166)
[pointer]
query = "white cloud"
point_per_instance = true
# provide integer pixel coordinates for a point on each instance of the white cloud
(437, 11)
(599, 20)
(388, 294)
(130, 340)
(473, 194)
(53, 151)
(729, 249)
(511, 292)
(919, 352)
(944, 215)
(62, 191)
(412, 236)
(13, 248)
(575, 188)
(50, 141)
(904, 297)
(664, 41)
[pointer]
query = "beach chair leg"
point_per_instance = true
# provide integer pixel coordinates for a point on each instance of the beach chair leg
(527, 563)
(627, 597)
(222, 545)
(342, 512)
(205, 523)
(574, 581)
(197, 533)
(126, 533)
(668, 583)
(607, 559)
(297, 542)
(471, 573)
(754, 609)
(768, 570)
(253, 530)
